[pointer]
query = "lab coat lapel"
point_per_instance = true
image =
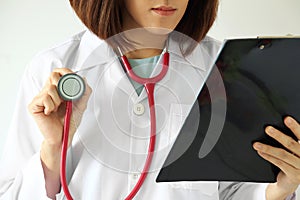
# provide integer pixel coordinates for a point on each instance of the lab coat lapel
(92, 51)
(121, 80)
(200, 58)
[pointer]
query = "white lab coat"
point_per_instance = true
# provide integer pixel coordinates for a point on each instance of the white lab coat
(104, 159)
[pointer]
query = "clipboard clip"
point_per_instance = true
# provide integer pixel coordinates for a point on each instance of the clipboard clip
(266, 41)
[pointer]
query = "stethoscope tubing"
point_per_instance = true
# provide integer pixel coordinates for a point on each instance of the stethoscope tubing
(144, 81)
(63, 179)
(149, 84)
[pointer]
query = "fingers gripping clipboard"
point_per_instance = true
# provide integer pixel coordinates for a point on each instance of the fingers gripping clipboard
(261, 77)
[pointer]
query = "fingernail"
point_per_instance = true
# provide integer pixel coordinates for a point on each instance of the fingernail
(257, 146)
(289, 121)
(270, 129)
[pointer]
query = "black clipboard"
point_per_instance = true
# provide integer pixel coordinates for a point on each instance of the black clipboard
(262, 85)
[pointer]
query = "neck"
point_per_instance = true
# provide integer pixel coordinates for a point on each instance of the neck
(144, 42)
(143, 53)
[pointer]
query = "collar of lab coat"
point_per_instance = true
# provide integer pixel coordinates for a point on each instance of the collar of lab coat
(95, 51)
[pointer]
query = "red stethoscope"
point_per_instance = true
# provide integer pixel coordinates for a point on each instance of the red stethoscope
(72, 87)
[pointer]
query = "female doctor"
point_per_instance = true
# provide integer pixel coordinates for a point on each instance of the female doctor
(110, 124)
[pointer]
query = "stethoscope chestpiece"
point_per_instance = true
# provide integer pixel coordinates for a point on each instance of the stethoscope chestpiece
(70, 87)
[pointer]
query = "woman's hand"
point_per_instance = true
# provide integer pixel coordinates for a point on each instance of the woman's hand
(287, 160)
(48, 111)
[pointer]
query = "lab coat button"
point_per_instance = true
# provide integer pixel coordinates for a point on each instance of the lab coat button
(139, 109)
(135, 176)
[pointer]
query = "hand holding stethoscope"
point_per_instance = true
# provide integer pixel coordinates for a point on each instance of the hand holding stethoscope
(48, 110)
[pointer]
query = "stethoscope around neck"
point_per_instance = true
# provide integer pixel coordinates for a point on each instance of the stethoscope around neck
(71, 87)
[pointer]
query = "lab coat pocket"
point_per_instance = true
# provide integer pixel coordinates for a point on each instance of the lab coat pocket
(208, 188)
(178, 114)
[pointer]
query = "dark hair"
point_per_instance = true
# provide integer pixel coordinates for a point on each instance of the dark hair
(104, 18)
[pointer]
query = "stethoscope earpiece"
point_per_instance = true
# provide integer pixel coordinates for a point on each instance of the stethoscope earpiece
(70, 87)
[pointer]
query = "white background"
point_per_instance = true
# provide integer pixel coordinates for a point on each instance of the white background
(27, 27)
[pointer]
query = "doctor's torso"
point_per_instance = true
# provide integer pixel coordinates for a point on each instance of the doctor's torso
(110, 146)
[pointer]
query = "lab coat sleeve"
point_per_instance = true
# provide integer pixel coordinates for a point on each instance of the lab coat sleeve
(291, 197)
(28, 184)
(21, 173)
(241, 190)
(245, 191)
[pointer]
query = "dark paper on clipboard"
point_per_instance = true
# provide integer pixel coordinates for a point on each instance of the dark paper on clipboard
(262, 85)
